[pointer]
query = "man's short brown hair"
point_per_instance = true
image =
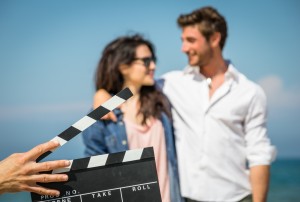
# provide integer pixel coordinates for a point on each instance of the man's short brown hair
(208, 20)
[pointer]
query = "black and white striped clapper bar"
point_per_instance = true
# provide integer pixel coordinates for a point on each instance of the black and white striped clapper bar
(126, 176)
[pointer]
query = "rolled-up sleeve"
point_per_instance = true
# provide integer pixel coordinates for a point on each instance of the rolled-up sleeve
(259, 149)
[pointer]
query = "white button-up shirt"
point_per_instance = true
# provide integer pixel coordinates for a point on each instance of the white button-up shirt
(216, 137)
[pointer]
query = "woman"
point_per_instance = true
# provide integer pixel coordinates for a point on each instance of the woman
(143, 120)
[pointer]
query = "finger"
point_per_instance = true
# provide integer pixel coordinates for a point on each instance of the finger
(49, 165)
(40, 149)
(110, 116)
(42, 191)
(46, 178)
(113, 117)
(106, 117)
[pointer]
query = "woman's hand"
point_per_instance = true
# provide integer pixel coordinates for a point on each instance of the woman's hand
(20, 172)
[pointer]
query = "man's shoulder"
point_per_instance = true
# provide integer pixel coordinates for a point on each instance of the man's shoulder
(251, 86)
(173, 74)
(169, 77)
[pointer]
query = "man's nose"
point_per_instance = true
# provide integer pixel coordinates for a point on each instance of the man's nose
(184, 47)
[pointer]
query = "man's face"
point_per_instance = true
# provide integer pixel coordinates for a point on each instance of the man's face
(196, 47)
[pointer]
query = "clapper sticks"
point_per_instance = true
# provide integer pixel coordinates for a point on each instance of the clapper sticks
(125, 176)
(90, 119)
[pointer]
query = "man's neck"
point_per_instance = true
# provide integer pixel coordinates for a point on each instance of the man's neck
(214, 68)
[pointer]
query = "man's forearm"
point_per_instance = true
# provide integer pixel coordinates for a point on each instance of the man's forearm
(259, 178)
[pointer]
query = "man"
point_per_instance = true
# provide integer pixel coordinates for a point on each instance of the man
(219, 118)
(20, 172)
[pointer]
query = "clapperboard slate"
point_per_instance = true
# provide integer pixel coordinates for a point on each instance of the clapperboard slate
(127, 176)
(119, 177)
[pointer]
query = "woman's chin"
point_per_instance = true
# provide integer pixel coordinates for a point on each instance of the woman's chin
(149, 83)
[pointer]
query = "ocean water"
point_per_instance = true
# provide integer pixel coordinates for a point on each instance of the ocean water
(285, 181)
(284, 184)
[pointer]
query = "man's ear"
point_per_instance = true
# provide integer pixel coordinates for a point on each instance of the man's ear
(215, 39)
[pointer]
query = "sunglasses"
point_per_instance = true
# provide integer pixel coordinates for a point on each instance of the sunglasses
(146, 61)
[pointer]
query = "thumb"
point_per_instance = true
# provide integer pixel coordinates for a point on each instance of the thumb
(113, 116)
(110, 117)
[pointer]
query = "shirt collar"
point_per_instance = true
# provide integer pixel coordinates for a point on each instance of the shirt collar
(191, 70)
(231, 72)
(232, 75)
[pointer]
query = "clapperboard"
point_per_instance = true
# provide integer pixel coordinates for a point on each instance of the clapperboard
(127, 176)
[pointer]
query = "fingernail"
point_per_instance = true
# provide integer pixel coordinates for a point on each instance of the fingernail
(67, 163)
(55, 141)
(65, 177)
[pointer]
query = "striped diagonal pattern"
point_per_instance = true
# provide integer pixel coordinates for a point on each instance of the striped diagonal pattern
(90, 119)
(108, 159)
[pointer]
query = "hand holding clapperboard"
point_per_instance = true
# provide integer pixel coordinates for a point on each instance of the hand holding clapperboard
(127, 176)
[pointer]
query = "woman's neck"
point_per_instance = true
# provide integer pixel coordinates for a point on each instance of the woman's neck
(131, 107)
(133, 88)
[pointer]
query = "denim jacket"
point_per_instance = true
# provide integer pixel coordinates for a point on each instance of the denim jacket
(110, 137)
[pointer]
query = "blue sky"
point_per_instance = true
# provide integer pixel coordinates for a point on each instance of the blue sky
(49, 51)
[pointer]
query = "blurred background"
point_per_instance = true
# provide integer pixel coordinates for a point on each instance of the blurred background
(49, 51)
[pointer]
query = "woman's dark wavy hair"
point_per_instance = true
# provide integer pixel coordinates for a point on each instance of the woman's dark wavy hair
(108, 76)
(208, 20)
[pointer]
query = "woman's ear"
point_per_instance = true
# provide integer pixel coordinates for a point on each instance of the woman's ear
(124, 69)
(215, 39)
